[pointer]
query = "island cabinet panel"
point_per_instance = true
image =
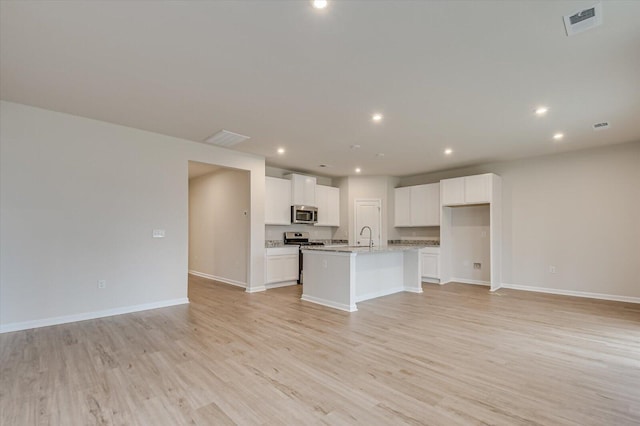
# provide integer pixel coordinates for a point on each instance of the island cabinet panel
(467, 190)
(328, 203)
(339, 277)
(277, 201)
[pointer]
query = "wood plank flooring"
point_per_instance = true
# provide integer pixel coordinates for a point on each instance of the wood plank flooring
(455, 355)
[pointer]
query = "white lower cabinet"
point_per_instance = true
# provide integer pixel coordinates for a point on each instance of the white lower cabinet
(281, 266)
(430, 260)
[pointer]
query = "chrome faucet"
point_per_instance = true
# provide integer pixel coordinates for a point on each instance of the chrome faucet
(370, 235)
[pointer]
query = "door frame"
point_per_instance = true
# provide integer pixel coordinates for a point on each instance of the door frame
(357, 201)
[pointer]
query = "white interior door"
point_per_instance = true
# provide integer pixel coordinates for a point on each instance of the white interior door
(368, 213)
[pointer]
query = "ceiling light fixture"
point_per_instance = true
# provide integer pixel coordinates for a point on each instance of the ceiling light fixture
(376, 117)
(319, 4)
(558, 136)
(540, 111)
(448, 151)
(281, 151)
(358, 170)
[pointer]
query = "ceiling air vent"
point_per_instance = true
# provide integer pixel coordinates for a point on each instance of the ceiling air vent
(601, 126)
(226, 138)
(583, 20)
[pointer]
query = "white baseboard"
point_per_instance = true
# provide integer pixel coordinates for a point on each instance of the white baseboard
(282, 284)
(17, 326)
(255, 289)
(467, 281)
(589, 295)
(330, 304)
(431, 280)
(217, 278)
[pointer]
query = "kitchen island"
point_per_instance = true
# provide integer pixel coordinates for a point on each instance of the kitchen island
(339, 277)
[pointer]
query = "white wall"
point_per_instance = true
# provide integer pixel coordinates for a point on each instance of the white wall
(218, 225)
(79, 199)
(365, 187)
(276, 232)
(577, 211)
(470, 243)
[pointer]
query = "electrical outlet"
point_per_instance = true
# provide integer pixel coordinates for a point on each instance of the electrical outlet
(102, 283)
(158, 233)
(552, 269)
(477, 265)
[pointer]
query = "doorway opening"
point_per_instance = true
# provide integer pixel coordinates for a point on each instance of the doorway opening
(219, 225)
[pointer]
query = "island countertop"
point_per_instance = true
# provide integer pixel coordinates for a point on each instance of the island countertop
(363, 249)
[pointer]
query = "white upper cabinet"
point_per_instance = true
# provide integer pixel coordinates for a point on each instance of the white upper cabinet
(277, 201)
(477, 189)
(303, 190)
(328, 203)
(467, 190)
(417, 205)
(452, 191)
(403, 206)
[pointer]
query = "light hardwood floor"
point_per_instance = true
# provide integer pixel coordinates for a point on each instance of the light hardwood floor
(456, 354)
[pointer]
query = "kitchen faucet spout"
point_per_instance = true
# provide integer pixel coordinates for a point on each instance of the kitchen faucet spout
(370, 235)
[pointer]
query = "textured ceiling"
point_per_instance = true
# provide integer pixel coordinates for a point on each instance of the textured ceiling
(464, 75)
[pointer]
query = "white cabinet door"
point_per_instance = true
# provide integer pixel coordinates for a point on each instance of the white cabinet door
(303, 190)
(419, 202)
(328, 203)
(289, 268)
(477, 189)
(452, 191)
(277, 201)
(333, 204)
(281, 268)
(432, 208)
(322, 203)
(417, 205)
(430, 265)
(402, 206)
(275, 268)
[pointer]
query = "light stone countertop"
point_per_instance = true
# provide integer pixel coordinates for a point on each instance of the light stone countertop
(364, 249)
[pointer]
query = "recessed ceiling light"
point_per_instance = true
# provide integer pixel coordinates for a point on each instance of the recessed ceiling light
(540, 111)
(448, 151)
(358, 170)
(281, 151)
(319, 4)
(376, 117)
(558, 136)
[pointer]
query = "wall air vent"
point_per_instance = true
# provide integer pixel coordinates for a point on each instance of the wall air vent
(601, 126)
(583, 19)
(225, 138)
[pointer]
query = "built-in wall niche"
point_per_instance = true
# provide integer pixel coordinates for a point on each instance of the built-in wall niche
(470, 244)
(471, 230)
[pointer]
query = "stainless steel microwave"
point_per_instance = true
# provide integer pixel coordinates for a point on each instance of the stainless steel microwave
(304, 214)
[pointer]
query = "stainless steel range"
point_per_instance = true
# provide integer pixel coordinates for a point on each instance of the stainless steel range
(299, 239)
